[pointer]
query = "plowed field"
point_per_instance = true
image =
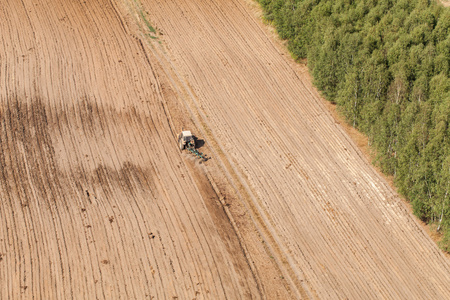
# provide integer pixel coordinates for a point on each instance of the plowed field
(97, 202)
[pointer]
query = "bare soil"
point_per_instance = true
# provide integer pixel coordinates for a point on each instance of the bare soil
(98, 202)
(445, 3)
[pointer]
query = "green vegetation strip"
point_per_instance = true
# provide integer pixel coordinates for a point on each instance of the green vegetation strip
(152, 30)
(149, 26)
(386, 64)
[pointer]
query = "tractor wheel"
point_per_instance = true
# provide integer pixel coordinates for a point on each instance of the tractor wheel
(180, 142)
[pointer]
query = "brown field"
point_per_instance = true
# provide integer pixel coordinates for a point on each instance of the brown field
(97, 202)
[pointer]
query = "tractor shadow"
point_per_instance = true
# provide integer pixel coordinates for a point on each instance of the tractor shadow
(198, 142)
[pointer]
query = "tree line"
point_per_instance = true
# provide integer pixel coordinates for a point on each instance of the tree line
(386, 64)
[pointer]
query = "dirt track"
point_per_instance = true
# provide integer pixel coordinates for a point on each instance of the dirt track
(97, 202)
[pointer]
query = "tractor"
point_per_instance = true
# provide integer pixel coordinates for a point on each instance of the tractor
(187, 141)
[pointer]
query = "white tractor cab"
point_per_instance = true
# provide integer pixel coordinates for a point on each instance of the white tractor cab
(186, 140)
